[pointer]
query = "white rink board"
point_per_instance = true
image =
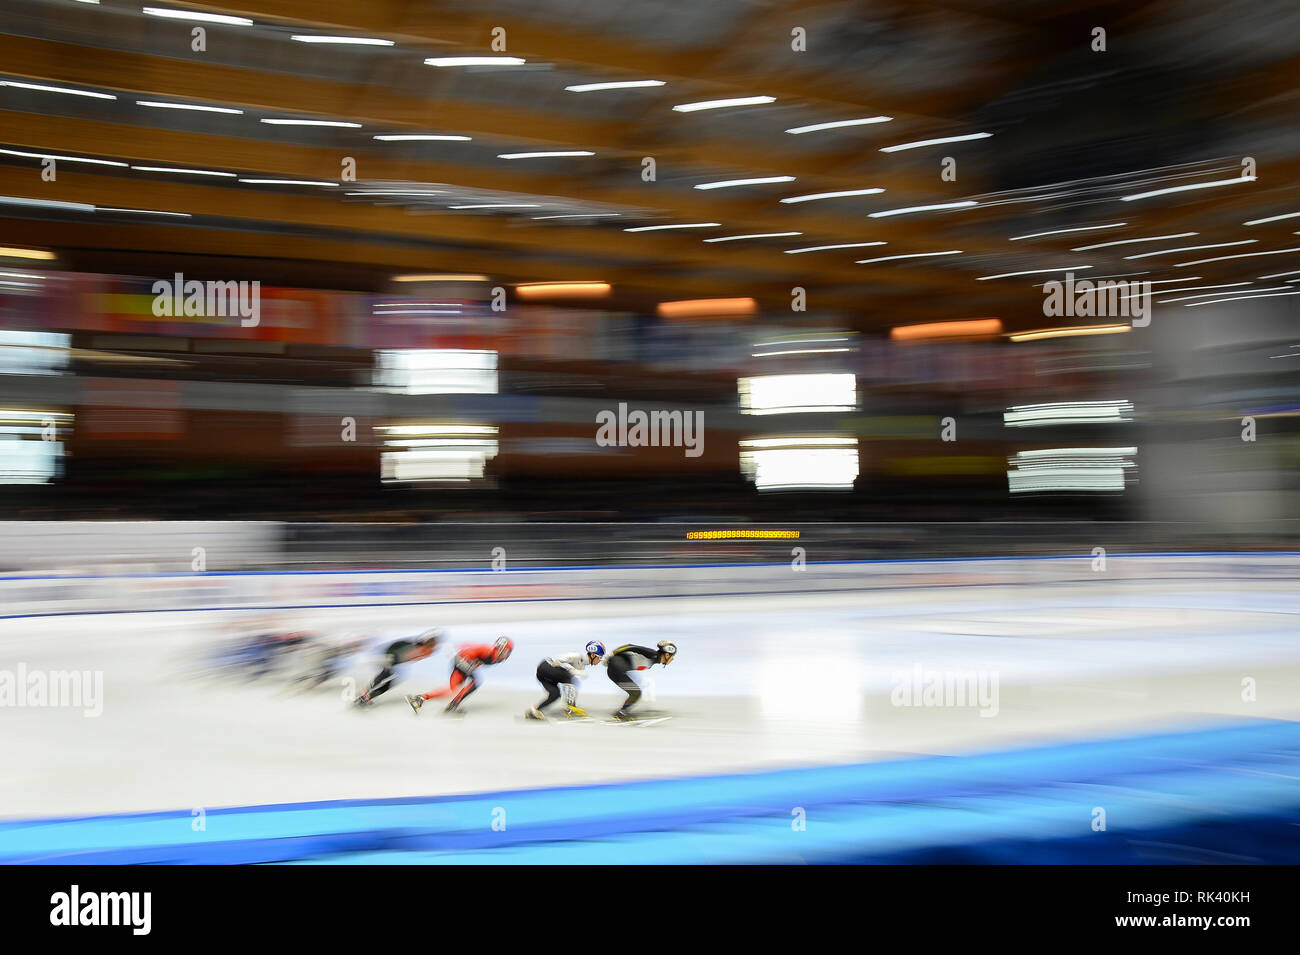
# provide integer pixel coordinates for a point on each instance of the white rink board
(37, 594)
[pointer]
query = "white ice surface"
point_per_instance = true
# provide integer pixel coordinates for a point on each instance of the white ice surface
(759, 682)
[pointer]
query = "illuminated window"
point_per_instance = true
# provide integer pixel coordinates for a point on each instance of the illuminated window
(437, 371)
(31, 451)
(1070, 469)
(33, 353)
(800, 463)
(1068, 412)
(456, 453)
(785, 394)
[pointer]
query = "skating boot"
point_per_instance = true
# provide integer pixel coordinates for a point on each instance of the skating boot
(575, 711)
(416, 702)
(533, 714)
(623, 716)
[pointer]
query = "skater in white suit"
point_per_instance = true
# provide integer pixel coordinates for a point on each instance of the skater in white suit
(567, 671)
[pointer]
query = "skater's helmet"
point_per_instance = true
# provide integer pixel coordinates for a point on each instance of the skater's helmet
(597, 649)
(504, 646)
(668, 647)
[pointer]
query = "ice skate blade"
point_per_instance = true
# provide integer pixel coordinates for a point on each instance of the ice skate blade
(638, 721)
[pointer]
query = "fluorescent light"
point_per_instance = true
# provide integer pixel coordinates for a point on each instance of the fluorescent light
(309, 122)
(1242, 298)
(93, 162)
(55, 89)
(1285, 215)
(824, 248)
(1112, 275)
(1192, 288)
(197, 109)
(723, 103)
(1007, 275)
(622, 85)
(1197, 287)
(145, 212)
(343, 40)
(1195, 185)
(1185, 298)
(832, 195)
(1150, 238)
(421, 137)
(400, 192)
(965, 204)
(728, 183)
(499, 205)
(546, 155)
(684, 225)
(289, 182)
(817, 127)
(1190, 248)
(1120, 275)
(580, 215)
(934, 142)
(474, 61)
(186, 172)
(47, 204)
(756, 235)
(1243, 255)
(200, 17)
(1278, 275)
(910, 255)
(1085, 228)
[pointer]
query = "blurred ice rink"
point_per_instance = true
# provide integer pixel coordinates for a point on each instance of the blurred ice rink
(760, 682)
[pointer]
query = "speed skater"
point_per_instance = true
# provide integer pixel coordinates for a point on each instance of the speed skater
(396, 654)
(632, 657)
(465, 676)
(565, 670)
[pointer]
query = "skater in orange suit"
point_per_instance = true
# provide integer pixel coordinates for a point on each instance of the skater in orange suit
(465, 673)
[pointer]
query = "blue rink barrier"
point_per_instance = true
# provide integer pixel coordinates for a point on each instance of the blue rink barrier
(1226, 794)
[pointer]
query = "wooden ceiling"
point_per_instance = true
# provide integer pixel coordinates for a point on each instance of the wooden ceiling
(1181, 95)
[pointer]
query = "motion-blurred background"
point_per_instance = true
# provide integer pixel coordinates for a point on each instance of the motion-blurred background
(440, 324)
